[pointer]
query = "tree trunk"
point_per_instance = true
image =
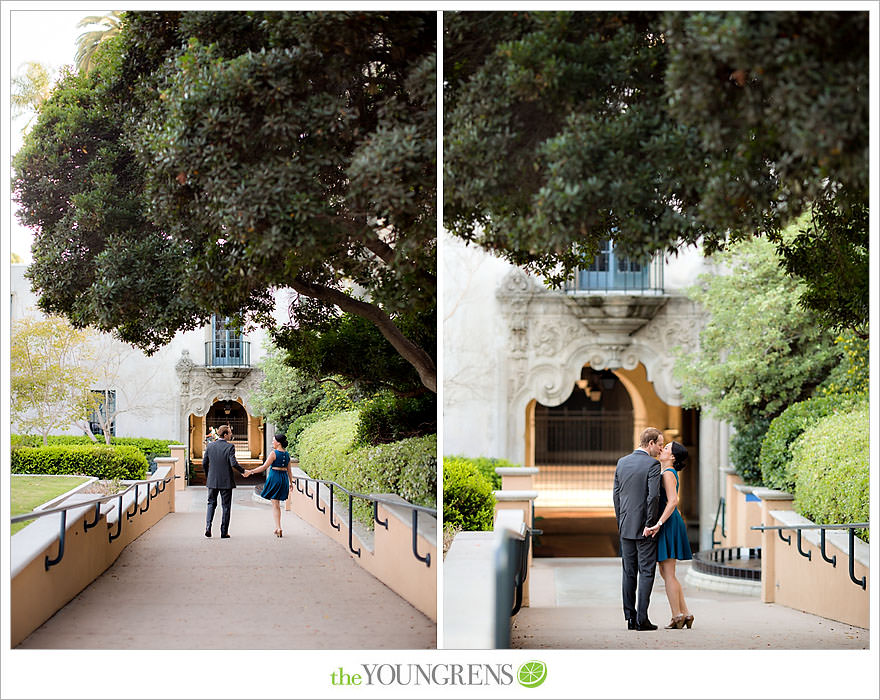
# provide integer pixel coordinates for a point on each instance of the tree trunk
(407, 349)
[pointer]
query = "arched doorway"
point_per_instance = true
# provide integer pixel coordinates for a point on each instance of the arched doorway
(230, 413)
(577, 444)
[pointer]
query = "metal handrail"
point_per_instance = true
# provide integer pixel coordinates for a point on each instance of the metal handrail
(849, 527)
(375, 500)
(720, 512)
(524, 542)
(62, 536)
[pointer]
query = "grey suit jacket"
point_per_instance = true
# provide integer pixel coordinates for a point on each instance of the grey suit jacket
(218, 462)
(636, 493)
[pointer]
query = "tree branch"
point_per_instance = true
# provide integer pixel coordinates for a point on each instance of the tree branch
(411, 352)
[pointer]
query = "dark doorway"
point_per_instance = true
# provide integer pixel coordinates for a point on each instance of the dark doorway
(577, 445)
(229, 413)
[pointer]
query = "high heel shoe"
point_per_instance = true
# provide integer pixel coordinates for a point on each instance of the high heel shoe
(277, 533)
(689, 620)
(676, 623)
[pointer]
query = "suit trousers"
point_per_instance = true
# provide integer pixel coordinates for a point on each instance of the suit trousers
(639, 557)
(226, 503)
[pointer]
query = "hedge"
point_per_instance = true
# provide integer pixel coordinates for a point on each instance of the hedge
(388, 418)
(328, 450)
(295, 431)
(468, 498)
(785, 429)
(745, 450)
(149, 447)
(486, 466)
(103, 461)
(831, 469)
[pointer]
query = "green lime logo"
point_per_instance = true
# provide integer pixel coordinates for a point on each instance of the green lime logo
(531, 674)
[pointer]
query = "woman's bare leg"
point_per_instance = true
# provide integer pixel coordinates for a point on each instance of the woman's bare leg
(276, 514)
(673, 587)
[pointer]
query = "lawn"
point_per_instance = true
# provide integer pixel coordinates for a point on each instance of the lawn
(28, 492)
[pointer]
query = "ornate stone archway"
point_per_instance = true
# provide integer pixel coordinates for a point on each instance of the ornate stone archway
(201, 387)
(552, 335)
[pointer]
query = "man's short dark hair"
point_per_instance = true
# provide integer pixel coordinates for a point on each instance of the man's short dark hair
(224, 431)
(649, 435)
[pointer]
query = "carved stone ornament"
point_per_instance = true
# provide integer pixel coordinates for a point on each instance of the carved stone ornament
(201, 386)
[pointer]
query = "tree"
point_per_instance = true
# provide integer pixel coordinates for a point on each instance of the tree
(30, 89)
(211, 157)
(759, 351)
(111, 394)
(659, 130)
(285, 392)
(88, 43)
(49, 377)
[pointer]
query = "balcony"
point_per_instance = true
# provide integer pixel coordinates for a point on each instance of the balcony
(610, 273)
(230, 353)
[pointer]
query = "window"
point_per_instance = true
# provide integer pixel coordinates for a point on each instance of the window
(104, 414)
(610, 271)
(227, 345)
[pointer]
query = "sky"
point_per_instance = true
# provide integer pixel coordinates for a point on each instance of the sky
(47, 37)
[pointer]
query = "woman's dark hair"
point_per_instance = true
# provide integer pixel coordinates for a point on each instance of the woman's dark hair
(680, 453)
(282, 439)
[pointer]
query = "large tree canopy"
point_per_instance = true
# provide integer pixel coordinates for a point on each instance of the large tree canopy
(659, 130)
(210, 157)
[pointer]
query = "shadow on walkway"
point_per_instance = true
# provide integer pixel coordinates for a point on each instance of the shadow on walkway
(173, 588)
(576, 604)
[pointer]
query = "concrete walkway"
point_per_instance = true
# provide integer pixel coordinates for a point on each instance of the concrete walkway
(173, 588)
(576, 604)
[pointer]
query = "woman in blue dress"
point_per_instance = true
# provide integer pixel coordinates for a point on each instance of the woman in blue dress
(279, 480)
(672, 541)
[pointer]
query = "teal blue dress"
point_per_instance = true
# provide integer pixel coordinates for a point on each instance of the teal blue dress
(672, 540)
(277, 485)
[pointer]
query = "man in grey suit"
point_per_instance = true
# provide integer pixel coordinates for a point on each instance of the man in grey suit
(636, 496)
(219, 461)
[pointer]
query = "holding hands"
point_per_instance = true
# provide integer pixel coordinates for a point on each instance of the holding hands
(247, 472)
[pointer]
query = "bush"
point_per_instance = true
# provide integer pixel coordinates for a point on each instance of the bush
(785, 429)
(745, 450)
(468, 501)
(103, 461)
(295, 431)
(831, 469)
(387, 418)
(486, 467)
(149, 447)
(328, 450)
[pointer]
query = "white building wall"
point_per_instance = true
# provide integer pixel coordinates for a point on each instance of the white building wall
(147, 387)
(476, 346)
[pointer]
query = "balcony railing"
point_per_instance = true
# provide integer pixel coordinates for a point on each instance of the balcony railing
(228, 354)
(610, 273)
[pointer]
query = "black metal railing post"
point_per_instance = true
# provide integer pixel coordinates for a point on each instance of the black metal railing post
(61, 538)
(849, 527)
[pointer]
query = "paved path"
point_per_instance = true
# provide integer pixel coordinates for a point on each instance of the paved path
(173, 588)
(575, 604)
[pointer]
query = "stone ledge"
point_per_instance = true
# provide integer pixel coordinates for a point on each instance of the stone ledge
(836, 538)
(766, 494)
(723, 584)
(516, 471)
(516, 495)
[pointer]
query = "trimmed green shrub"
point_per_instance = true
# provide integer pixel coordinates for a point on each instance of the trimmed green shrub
(387, 418)
(745, 450)
(831, 469)
(149, 447)
(103, 461)
(468, 498)
(328, 450)
(786, 428)
(295, 431)
(486, 467)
